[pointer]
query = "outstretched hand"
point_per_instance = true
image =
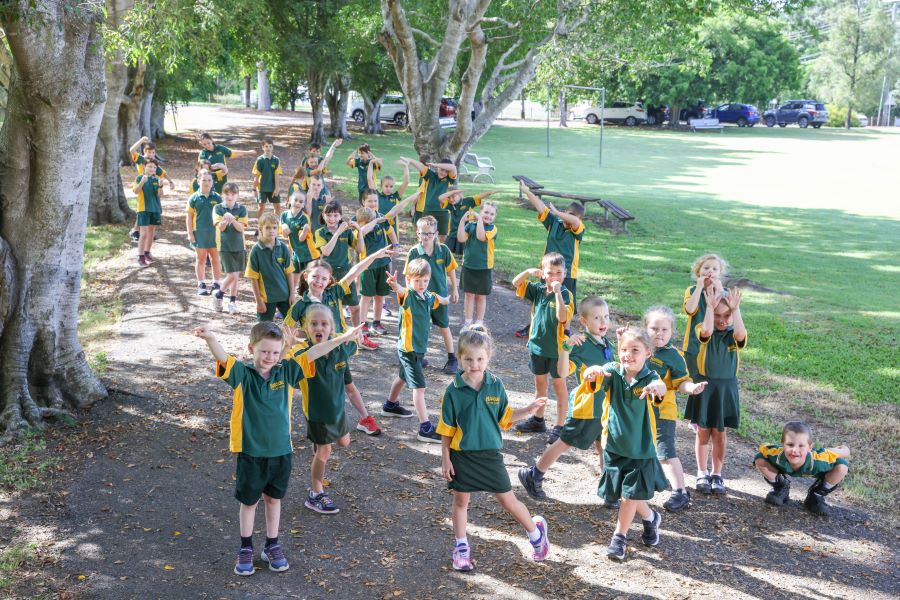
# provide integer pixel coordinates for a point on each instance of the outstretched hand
(712, 298)
(592, 373)
(656, 389)
(734, 298)
(202, 332)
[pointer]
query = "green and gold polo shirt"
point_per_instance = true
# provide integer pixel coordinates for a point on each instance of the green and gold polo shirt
(374, 241)
(459, 210)
(340, 258)
(323, 386)
(591, 352)
(473, 419)
(148, 195)
(719, 355)
(230, 240)
(139, 162)
(270, 267)
(629, 426)
(386, 203)
(267, 169)
(200, 208)
(562, 239)
(306, 250)
(432, 187)
(546, 333)
(415, 320)
(362, 174)
(261, 408)
(442, 263)
(669, 364)
(478, 254)
(818, 462)
(217, 155)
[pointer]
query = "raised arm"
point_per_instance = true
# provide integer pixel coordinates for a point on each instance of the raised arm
(139, 183)
(322, 348)
(370, 174)
(362, 265)
(405, 183)
(449, 167)
(734, 302)
(571, 221)
(413, 162)
(461, 235)
(521, 277)
(479, 228)
(392, 214)
(328, 156)
(215, 347)
(351, 160)
(328, 248)
(712, 301)
(136, 147)
(536, 202)
(562, 309)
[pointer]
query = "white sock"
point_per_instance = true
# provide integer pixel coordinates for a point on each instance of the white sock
(534, 535)
(463, 541)
(773, 480)
(827, 485)
(702, 474)
(648, 519)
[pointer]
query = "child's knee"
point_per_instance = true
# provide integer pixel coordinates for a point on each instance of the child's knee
(270, 501)
(703, 435)
(460, 500)
(507, 500)
(840, 470)
(344, 440)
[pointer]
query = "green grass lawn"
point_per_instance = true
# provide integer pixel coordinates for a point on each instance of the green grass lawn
(810, 217)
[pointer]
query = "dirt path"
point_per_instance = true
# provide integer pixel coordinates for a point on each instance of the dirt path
(144, 507)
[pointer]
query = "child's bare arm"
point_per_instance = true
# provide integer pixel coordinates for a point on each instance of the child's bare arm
(321, 349)
(689, 387)
(189, 226)
(479, 228)
(136, 147)
(413, 162)
(214, 346)
(712, 301)
(842, 451)
(139, 183)
(518, 415)
(392, 214)
(304, 233)
(734, 301)
(562, 309)
(351, 160)
(362, 265)
(370, 174)
(449, 167)
(518, 279)
(536, 202)
(461, 235)
(443, 300)
(328, 248)
(690, 306)
(454, 287)
(571, 221)
(257, 296)
(405, 183)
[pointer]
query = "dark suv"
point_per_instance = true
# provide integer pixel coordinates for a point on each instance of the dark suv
(802, 112)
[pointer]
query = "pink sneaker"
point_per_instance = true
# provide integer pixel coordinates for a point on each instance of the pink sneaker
(461, 559)
(542, 546)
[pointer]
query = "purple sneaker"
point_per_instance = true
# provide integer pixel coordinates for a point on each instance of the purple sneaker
(244, 566)
(274, 555)
(542, 546)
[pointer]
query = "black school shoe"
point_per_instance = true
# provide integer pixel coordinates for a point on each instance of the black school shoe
(553, 435)
(650, 537)
(781, 491)
(815, 498)
(703, 485)
(679, 500)
(532, 425)
(533, 487)
(717, 485)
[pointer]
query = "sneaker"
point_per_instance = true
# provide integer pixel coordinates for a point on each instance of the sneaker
(650, 537)
(523, 333)
(368, 426)
(232, 307)
(616, 549)
(367, 343)
(244, 566)
(533, 487)
(451, 366)
(148, 257)
(379, 329)
(142, 261)
(389, 409)
(703, 485)
(781, 491)
(610, 504)
(428, 435)
(679, 500)
(135, 235)
(461, 559)
(531, 425)
(366, 330)
(321, 503)
(202, 290)
(274, 555)
(717, 484)
(542, 546)
(217, 303)
(553, 435)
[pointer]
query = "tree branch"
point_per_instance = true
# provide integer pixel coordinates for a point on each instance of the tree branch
(426, 36)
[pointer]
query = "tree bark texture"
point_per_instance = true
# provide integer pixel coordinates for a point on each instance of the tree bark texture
(372, 106)
(317, 81)
(337, 98)
(563, 109)
(157, 120)
(46, 143)
(263, 101)
(130, 111)
(147, 107)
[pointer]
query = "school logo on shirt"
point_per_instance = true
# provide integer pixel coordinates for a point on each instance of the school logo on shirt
(439, 261)
(340, 366)
(656, 361)
(280, 259)
(492, 399)
(637, 391)
(276, 385)
(732, 347)
(552, 304)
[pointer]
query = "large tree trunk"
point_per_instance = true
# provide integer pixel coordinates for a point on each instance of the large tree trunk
(157, 120)
(563, 109)
(337, 97)
(147, 107)
(316, 82)
(263, 101)
(372, 106)
(675, 115)
(130, 111)
(53, 116)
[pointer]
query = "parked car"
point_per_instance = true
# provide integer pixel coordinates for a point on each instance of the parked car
(743, 115)
(802, 112)
(448, 108)
(630, 113)
(692, 112)
(393, 108)
(657, 115)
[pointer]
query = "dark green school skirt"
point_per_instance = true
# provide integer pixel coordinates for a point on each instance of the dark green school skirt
(479, 471)
(630, 478)
(327, 433)
(717, 407)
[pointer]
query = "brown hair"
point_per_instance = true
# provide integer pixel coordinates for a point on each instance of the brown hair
(639, 334)
(418, 268)
(268, 219)
(796, 427)
(576, 209)
(474, 337)
(230, 188)
(267, 330)
(303, 286)
(553, 259)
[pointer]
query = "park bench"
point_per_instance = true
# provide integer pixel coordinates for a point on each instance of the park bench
(475, 166)
(704, 124)
(608, 206)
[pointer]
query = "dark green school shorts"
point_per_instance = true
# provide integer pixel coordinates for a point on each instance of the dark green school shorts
(479, 471)
(630, 478)
(441, 316)
(541, 365)
(443, 220)
(299, 266)
(581, 433)
(570, 284)
(373, 282)
(411, 370)
(233, 262)
(454, 245)
(416, 216)
(353, 298)
(282, 307)
(327, 433)
(270, 197)
(477, 281)
(205, 238)
(665, 437)
(348, 376)
(261, 475)
(146, 218)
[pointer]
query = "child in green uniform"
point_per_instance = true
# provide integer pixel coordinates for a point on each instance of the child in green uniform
(478, 234)
(266, 170)
(443, 268)
(313, 165)
(621, 392)
(796, 457)
(318, 287)
(708, 271)
(323, 399)
(149, 214)
(721, 336)
(435, 178)
(217, 154)
(474, 409)
(201, 232)
(582, 427)
(564, 234)
(261, 430)
(668, 362)
(296, 228)
(416, 306)
(551, 310)
(268, 268)
(388, 197)
(458, 205)
(316, 199)
(142, 151)
(360, 161)
(219, 173)
(230, 219)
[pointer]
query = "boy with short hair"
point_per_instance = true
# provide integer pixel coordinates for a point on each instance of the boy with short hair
(216, 155)
(436, 177)
(313, 165)
(266, 170)
(149, 210)
(416, 307)
(268, 268)
(458, 204)
(443, 268)
(360, 161)
(230, 219)
(565, 231)
(551, 310)
(142, 151)
(388, 197)
(261, 430)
